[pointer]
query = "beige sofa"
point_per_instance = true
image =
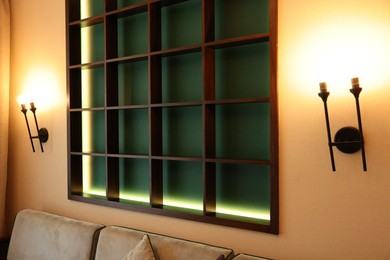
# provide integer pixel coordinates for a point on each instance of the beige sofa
(41, 235)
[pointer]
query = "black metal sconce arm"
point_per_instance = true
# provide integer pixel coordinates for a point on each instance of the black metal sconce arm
(355, 90)
(43, 133)
(347, 139)
(324, 96)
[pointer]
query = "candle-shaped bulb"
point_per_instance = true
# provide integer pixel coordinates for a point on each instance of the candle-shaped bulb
(323, 87)
(22, 102)
(355, 83)
(32, 105)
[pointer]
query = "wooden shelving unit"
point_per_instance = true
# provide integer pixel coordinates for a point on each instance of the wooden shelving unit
(173, 108)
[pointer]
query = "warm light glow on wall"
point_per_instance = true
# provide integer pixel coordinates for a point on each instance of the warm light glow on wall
(22, 100)
(41, 86)
(338, 47)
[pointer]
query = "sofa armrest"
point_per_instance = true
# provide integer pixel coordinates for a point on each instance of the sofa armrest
(4, 244)
(45, 236)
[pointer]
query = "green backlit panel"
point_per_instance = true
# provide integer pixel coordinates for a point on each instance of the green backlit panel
(133, 131)
(133, 35)
(243, 190)
(182, 131)
(92, 87)
(235, 18)
(92, 43)
(94, 175)
(183, 186)
(181, 24)
(170, 113)
(242, 131)
(182, 78)
(89, 8)
(124, 3)
(93, 132)
(133, 83)
(242, 72)
(134, 179)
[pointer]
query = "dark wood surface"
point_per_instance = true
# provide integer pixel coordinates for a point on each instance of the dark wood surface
(4, 243)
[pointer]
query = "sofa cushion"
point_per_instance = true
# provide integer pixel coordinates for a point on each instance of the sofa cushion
(41, 235)
(115, 243)
(142, 251)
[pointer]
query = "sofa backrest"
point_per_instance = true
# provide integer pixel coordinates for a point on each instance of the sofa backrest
(41, 235)
(116, 242)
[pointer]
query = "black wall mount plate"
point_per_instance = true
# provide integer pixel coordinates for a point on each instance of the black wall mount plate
(43, 135)
(347, 139)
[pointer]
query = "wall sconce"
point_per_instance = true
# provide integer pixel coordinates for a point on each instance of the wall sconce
(347, 139)
(43, 134)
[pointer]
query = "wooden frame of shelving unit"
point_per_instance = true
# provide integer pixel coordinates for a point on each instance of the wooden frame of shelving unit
(173, 112)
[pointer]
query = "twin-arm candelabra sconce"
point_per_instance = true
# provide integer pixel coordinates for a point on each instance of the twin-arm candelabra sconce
(43, 134)
(347, 139)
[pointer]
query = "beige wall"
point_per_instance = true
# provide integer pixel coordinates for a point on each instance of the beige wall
(323, 215)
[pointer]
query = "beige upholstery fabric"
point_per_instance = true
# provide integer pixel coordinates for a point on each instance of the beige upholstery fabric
(40, 235)
(142, 251)
(116, 242)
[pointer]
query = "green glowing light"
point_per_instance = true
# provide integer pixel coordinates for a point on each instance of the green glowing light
(245, 212)
(86, 42)
(87, 162)
(85, 9)
(86, 90)
(92, 183)
(183, 204)
(97, 192)
(134, 197)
